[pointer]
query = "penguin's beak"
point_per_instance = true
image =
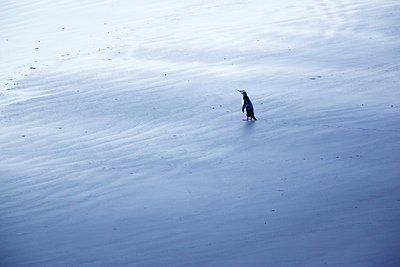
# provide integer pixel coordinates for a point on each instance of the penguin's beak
(240, 91)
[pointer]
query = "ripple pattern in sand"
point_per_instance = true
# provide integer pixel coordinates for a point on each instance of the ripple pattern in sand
(127, 146)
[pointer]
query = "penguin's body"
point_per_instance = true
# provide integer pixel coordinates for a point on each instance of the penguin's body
(247, 106)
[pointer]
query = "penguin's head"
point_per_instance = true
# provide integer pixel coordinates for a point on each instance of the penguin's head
(243, 92)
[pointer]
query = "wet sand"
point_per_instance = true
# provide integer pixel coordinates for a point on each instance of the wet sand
(122, 141)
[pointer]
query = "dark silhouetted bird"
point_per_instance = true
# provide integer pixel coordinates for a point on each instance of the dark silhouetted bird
(247, 106)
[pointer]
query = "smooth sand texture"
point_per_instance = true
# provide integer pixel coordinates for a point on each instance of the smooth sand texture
(122, 143)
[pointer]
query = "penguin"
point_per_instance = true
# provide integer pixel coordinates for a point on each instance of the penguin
(247, 105)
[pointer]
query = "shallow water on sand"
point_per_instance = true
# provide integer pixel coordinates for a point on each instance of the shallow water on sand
(122, 143)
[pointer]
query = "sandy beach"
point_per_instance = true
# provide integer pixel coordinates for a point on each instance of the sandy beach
(122, 141)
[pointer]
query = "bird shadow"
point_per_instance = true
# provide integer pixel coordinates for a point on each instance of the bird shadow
(249, 126)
